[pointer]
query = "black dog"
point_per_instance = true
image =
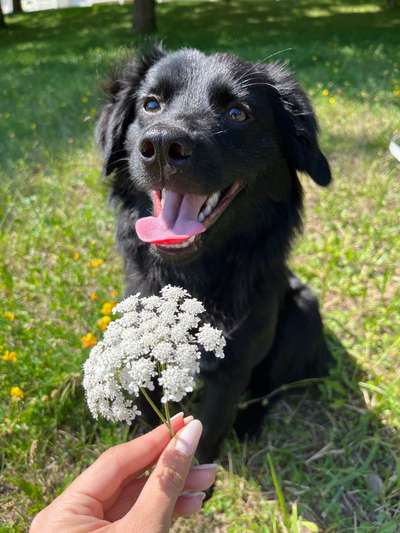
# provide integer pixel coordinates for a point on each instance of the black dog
(211, 146)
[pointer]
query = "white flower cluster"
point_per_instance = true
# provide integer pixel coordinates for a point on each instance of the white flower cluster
(155, 338)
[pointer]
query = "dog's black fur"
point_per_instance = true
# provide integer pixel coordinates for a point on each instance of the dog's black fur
(238, 267)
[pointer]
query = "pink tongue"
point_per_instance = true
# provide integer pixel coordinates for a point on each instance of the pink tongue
(176, 222)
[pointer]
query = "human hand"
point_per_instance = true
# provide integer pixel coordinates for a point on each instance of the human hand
(112, 497)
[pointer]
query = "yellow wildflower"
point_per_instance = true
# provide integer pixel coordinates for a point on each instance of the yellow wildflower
(107, 307)
(94, 263)
(325, 92)
(103, 322)
(332, 100)
(396, 92)
(113, 293)
(9, 356)
(16, 393)
(76, 256)
(93, 296)
(9, 315)
(88, 340)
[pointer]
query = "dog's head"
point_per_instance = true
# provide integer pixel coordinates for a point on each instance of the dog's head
(211, 140)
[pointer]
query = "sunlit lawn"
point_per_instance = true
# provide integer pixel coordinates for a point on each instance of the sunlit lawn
(335, 448)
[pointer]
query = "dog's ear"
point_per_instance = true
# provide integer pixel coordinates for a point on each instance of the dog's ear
(119, 111)
(297, 125)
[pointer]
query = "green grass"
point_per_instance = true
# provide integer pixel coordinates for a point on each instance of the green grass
(329, 456)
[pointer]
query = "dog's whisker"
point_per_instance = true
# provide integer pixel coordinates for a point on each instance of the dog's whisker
(263, 59)
(121, 160)
(255, 84)
(221, 131)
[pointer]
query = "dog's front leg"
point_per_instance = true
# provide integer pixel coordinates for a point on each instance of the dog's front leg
(217, 410)
(223, 387)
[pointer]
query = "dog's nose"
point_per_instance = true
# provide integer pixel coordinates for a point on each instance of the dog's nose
(166, 146)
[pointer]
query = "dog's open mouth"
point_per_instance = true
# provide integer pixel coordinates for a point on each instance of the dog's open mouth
(179, 218)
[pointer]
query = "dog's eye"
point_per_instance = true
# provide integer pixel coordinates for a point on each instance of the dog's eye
(151, 105)
(237, 114)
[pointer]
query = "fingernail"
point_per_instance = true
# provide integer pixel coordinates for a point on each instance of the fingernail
(188, 438)
(177, 415)
(210, 466)
(188, 419)
(199, 495)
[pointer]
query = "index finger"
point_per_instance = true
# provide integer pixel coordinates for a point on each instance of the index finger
(104, 477)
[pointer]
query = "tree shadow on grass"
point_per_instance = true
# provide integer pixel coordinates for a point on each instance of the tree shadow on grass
(53, 61)
(241, 23)
(332, 452)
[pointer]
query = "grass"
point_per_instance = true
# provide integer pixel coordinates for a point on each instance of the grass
(328, 457)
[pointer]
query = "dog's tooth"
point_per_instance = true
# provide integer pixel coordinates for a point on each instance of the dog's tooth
(207, 210)
(215, 198)
(201, 217)
(212, 202)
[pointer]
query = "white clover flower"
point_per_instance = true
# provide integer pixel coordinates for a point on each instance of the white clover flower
(155, 339)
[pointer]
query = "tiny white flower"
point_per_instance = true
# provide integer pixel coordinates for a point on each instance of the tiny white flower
(113, 333)
(127, 305)
(151, 302)
(212, 339)
(163, 352)
(187, 356)
(192, 306)
(128, 319)
(138, 374)
(176, 383)
(169, 292)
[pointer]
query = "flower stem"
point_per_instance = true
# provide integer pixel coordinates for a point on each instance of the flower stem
(168, 419)
(156, 410)
(167, 422)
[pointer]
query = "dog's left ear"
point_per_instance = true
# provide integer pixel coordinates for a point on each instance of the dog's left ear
(297, 125)
(119, 112)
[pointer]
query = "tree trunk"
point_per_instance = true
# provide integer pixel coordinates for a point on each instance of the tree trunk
(144, 16)
(2, 21)
(17, 6)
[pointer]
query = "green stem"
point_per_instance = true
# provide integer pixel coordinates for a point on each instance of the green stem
(155, 409)
(167, 422)
(168, 418)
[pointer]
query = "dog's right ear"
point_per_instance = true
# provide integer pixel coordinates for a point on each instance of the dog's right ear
(119, 112)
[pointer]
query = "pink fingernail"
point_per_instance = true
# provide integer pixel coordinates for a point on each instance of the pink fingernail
(177, 415)
(188, 419)
(188, 438)
(199, 495)
(210, 466)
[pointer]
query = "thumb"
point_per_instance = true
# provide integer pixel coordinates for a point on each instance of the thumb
(154, 508)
